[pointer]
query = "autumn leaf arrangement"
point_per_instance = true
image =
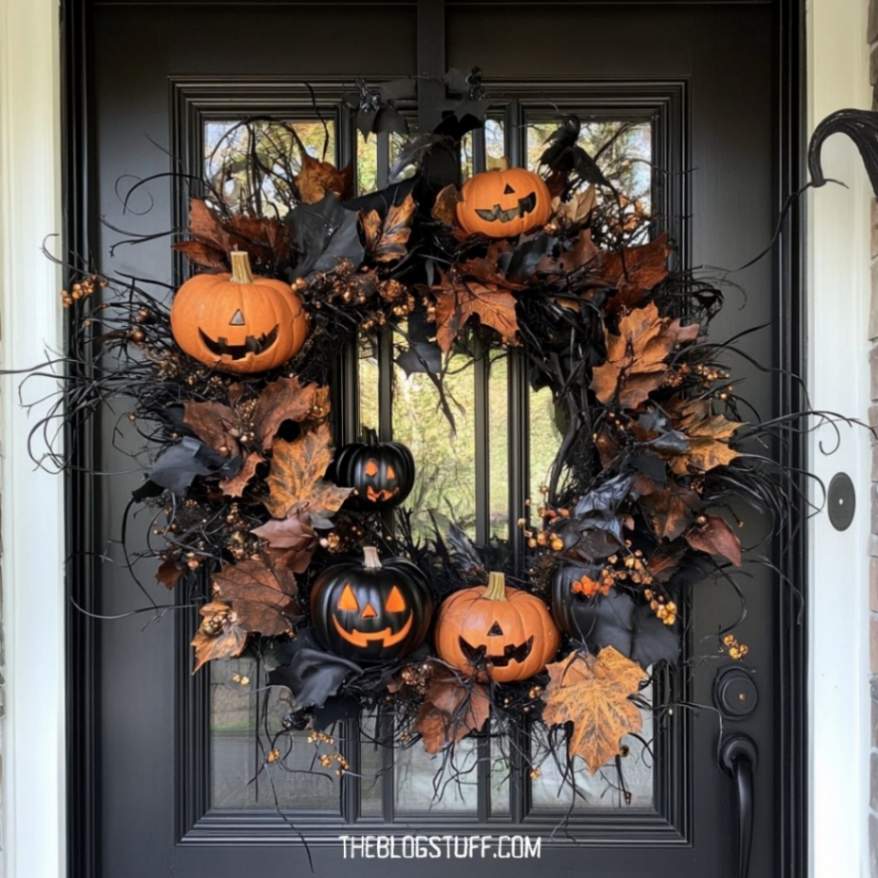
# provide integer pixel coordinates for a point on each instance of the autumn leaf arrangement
(640, 505)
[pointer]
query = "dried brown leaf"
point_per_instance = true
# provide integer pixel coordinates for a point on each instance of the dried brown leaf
(169, 573)
(214, 424)
(287, 399)
(234, 487)
(293, 537)
(592, 693)
(296, 476)
(458, 302)
(445, 206)
(634, 271)
(202, 254)
(635, 364)
(451, 709)
(395, 232)
(317, 178)
(670, 510)
(230, 642)
(716, 538)
(262, 599)
(708, 436)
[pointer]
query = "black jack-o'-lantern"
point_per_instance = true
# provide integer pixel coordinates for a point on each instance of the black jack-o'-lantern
(504, 203)
(371, 612)
(381, 473)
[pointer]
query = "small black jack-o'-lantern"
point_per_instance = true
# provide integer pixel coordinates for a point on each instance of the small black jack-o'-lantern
(371, 612)
(381, 473)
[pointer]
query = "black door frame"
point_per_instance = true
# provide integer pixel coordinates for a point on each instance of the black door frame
(789, 325)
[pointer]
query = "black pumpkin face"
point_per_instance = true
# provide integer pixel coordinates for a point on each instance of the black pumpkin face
(382, 474)
(371, 612)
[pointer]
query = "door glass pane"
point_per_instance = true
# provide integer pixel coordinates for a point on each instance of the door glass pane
(277, 144)
(426, 784)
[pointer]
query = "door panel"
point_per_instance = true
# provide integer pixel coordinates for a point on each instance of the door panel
(173, 757)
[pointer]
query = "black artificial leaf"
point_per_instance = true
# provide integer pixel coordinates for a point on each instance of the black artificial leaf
(653, 421)
(560, 142)
(421, 357)
(336, 709)
(312, 676)
(464, 555)
(414, 151)
(614, 620)
(176, 467)
(382, 200)
(520, 264)
(605, 497)
(671, 442)
(650, 465)
(325, 233)
(653, 640)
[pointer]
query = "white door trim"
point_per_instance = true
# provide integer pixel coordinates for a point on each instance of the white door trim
(838, 378)
(34, 799)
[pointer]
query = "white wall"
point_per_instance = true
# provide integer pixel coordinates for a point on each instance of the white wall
(30, 320)
(839, 289)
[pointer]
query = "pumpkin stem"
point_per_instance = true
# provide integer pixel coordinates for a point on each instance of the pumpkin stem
(241, 271)
(496, 588)
(371, 561)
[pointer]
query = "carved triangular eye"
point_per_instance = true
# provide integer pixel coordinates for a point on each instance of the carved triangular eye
(508, 190)
(371, 468)
(391, 472)
(237, 319)
(348, 600)
(495, 630)
(395, 601)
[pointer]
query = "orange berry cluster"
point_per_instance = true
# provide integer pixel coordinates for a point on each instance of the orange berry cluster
(587, 587)
(735, 649)
(664, 609)
(82, 289)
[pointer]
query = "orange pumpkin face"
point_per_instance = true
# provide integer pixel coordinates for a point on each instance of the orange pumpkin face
(502, 204)
(505, 632)
(237, 322)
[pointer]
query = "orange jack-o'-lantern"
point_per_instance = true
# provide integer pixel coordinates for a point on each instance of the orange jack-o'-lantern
(504, 203)
(237, 322)
(505, 632)
(371, 612)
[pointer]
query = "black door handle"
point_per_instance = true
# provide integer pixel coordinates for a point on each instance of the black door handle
(738, 756)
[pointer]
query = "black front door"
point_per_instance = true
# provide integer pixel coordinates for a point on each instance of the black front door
(163, 764)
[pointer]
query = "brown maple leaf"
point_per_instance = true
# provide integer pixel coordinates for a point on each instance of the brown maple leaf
(234, 487)
(592, 693)
(291, 541)
(386, 241)
(633, 271)
(708, 438)
(202, 254)
(215, 424)
(451, 709)
(579, 251)
(716, 538)
(576, 209)
(287, 399)
(228, 642)
(316, 179)
(457, 302)
(635, 364)
(670, 510)
(445, 206)
(169, 572)
(262, 599)
(296, 476)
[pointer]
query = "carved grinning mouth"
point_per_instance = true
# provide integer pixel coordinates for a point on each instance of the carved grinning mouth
(478, 655)
(363, 638)
(252, 344)
(496, 214)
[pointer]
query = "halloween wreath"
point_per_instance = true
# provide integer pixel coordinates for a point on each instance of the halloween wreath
(300, 548)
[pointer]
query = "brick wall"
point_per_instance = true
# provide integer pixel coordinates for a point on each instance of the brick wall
(873, 420)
